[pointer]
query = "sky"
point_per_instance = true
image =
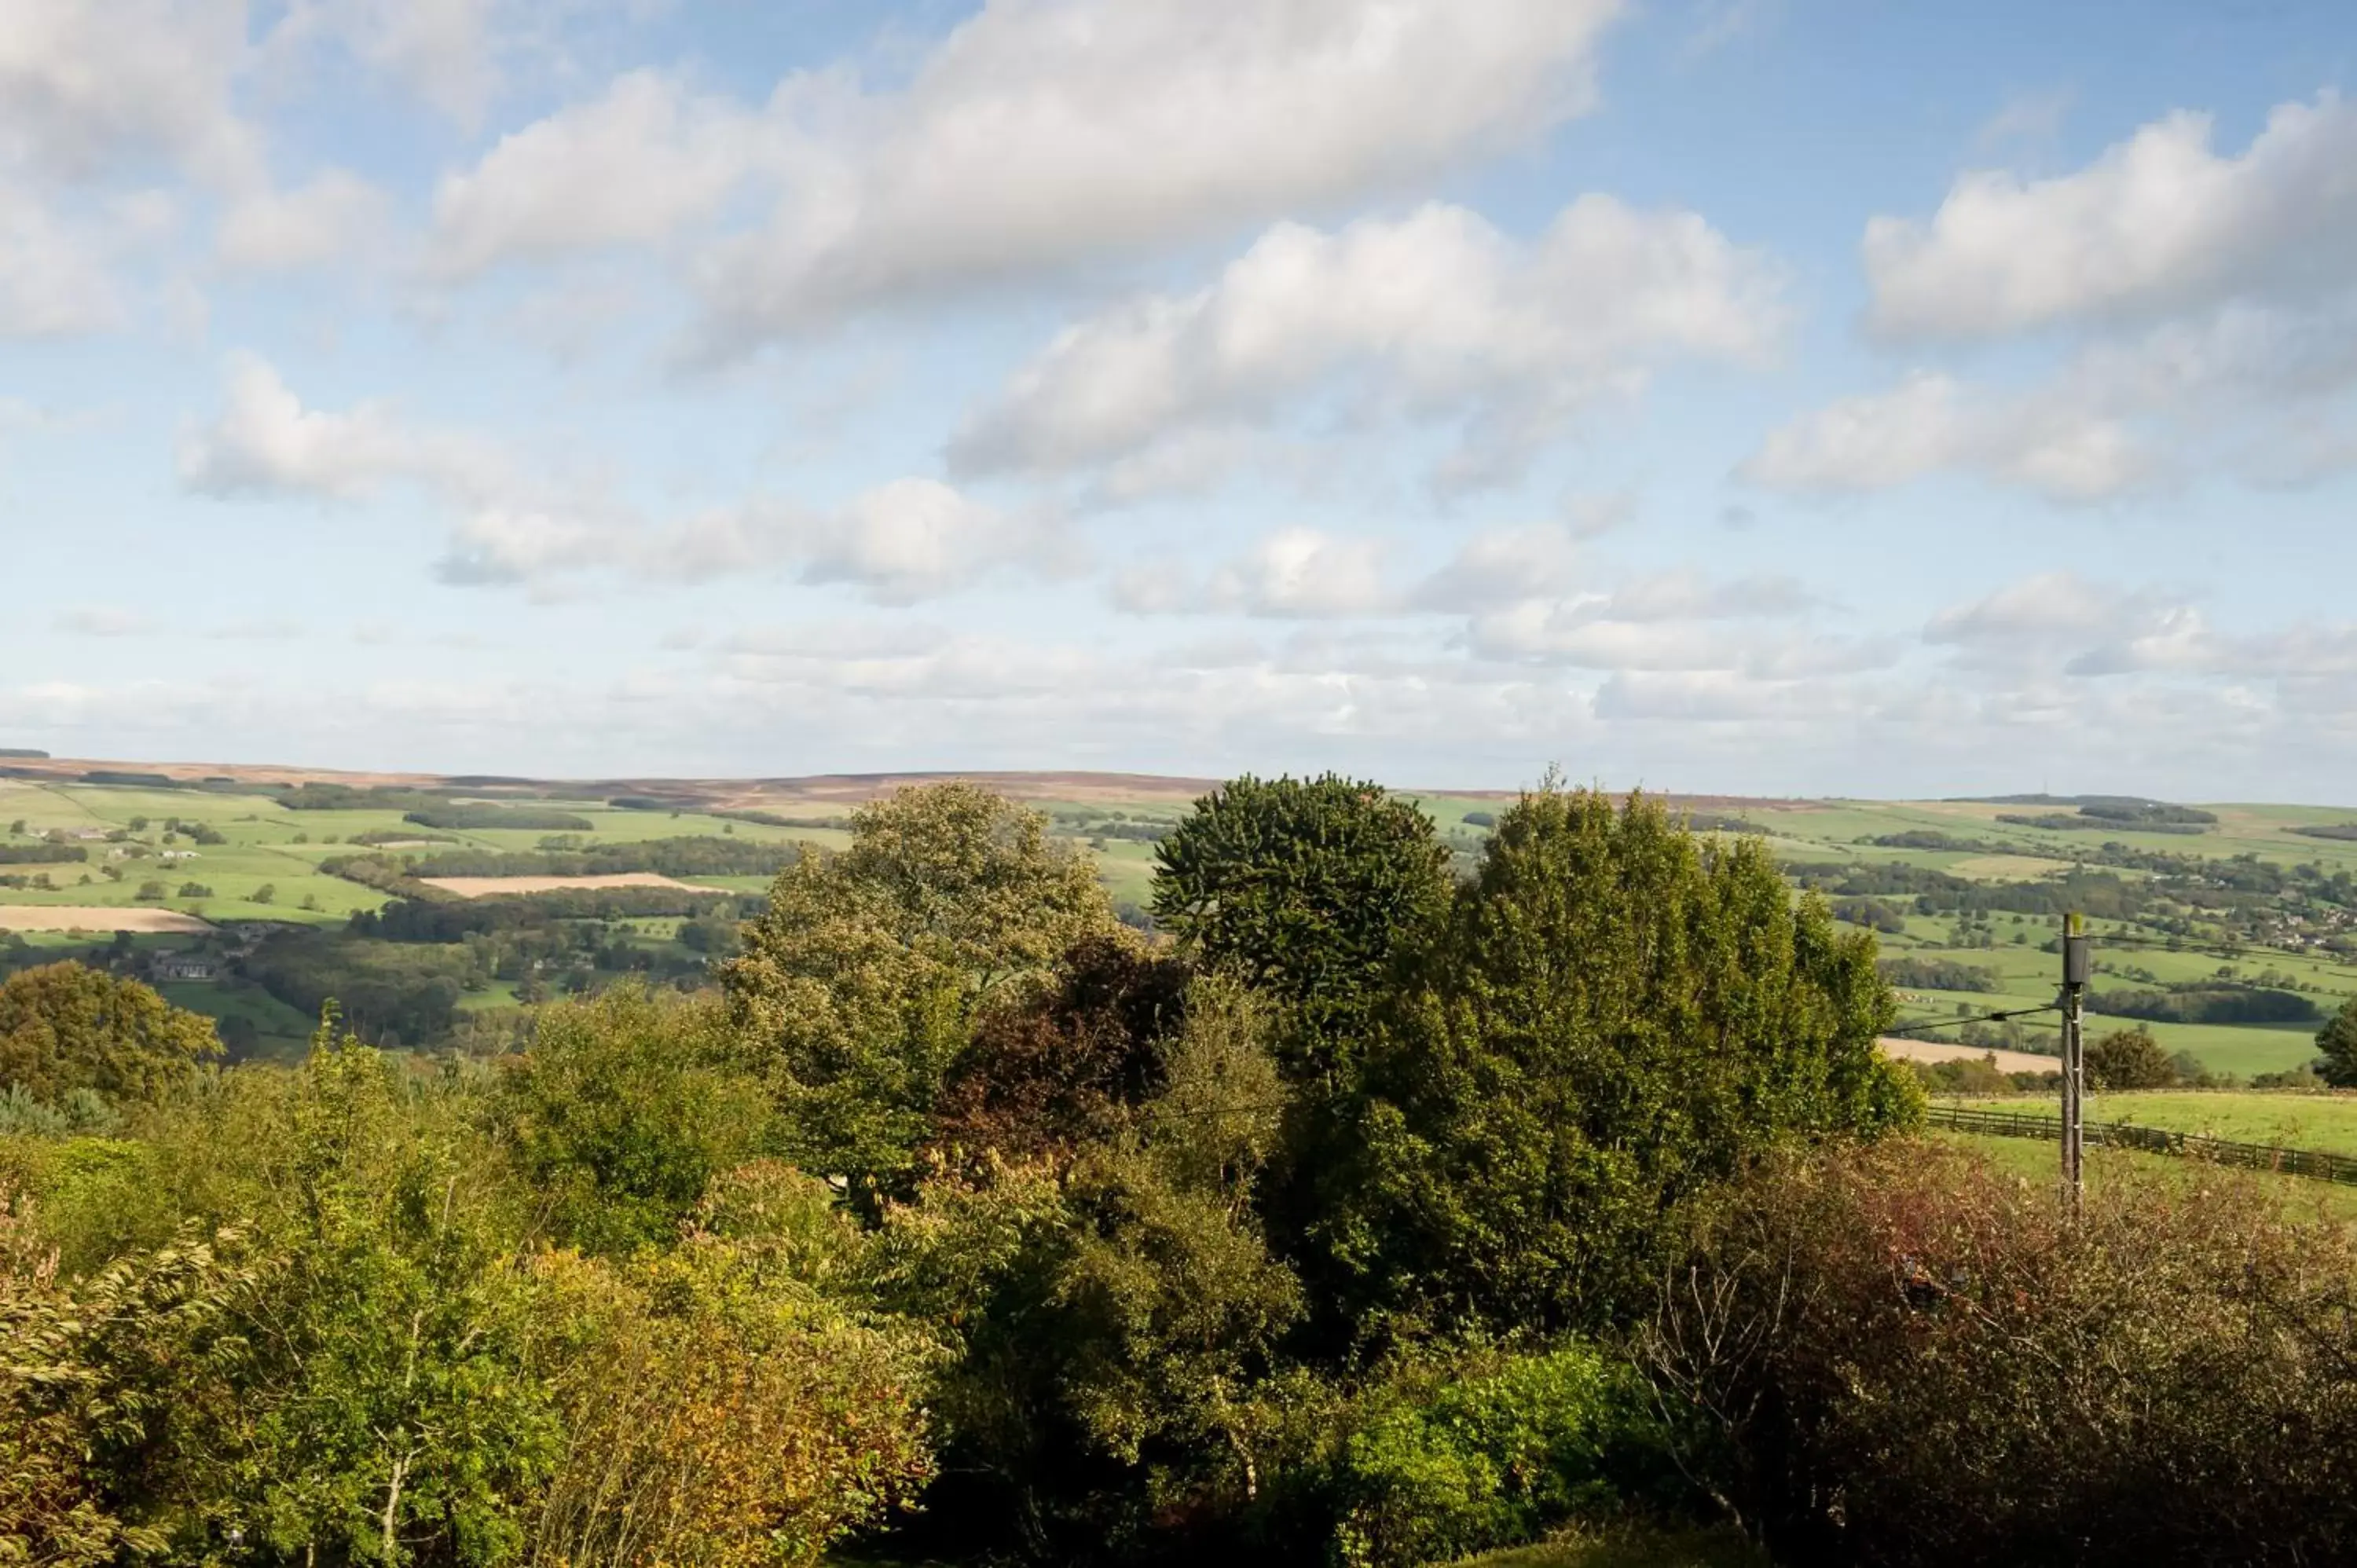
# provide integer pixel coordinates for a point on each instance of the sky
(1767, 397)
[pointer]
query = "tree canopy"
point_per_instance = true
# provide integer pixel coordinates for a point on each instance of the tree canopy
(65, 1027)
(1309, 888)
(868, 968)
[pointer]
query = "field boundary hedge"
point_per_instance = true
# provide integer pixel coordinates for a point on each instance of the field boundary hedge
(2312, 1163)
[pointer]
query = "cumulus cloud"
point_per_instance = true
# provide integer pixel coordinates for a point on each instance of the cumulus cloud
(2159, 224)
(265, 441)
(89, 86)
(1930, 423)
(1676, 620)
(1035, 135)
(1434, 315)
(2208, 307)
(629, 166)
(1504, 566)
(1293, 574)
(896, 543)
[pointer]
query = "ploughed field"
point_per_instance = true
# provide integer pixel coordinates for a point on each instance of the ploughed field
(164, 847)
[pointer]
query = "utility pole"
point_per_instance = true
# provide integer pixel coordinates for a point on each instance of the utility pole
(2076, 968)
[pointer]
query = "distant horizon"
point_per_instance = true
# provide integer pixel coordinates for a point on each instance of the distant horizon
(494, 778)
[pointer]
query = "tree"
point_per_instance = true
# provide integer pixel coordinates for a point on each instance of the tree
(2130, 1059)
(2337, 1042)
(624, 1109)
(267, 893)
(867, 973)
(65, 1027)
(1309, 887)
(1068, 1067)
(1114, 1311)
(1621, 1015)
(385, 1412)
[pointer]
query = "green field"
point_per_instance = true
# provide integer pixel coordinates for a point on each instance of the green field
(2036, 1159)
(268, 848)
(2295, 1120)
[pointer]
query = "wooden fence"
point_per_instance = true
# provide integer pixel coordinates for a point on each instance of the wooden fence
(2125, 1135)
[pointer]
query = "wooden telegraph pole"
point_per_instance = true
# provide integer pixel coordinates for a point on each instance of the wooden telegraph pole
(2077, 965)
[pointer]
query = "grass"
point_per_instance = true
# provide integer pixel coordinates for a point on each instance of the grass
(2295, 1120)
(2035, 1159)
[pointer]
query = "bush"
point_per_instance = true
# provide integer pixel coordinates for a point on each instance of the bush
(1906, 1358)
(2130, 1059)
(1495, 1455)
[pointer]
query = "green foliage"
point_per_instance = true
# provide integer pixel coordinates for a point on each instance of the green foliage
(2130, 1059)
(2336, 1046)
(721, 1406)
(868, 968)
(1492, 1452)
(1310, 888)
(387, 1414)
(1623, 1013)
(64, 1027)
(91, 1371)
(666, 857)
(624, 1109)
(474, 817)
(1115, 1321)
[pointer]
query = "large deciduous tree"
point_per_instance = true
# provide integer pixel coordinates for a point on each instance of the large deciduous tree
(1309, 887)
(868, 969)
(1622, 1014)
(65, 1027)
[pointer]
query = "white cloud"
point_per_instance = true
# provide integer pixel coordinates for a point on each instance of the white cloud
(88, 86)
(1450, 318)
(270, 231)
(1293, 574)
(265, 442)
(1035, 135)
(2159, 223)
(1676, 620)
(899, 542)
(629, 166)
(1504, 566)
(2065, 446)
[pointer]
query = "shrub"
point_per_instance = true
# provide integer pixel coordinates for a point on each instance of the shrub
(720, 1410)
(1909, 1360)
(2130, 1059)
(1494, 1456)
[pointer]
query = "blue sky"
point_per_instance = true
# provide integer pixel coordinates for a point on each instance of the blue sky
(1758, 396)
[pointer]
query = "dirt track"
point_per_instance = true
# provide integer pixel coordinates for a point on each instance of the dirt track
(1933, 1051)
(88, 918)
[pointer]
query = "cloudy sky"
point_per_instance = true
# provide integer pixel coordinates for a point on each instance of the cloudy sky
(1767, 396)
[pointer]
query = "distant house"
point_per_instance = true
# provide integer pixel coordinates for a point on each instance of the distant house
(182, 966)
(177, 854)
